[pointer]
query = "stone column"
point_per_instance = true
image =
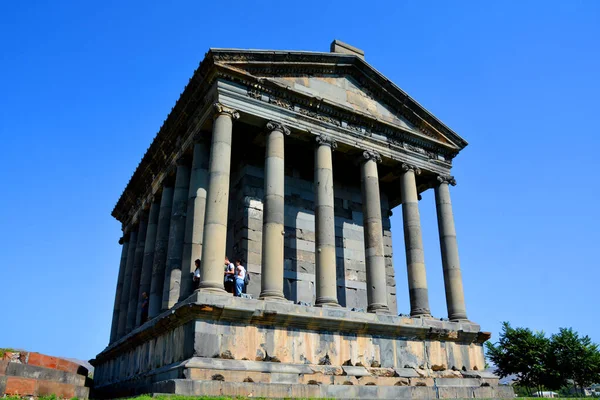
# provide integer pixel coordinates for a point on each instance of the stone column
(115, 321)
(273, 210)
(136, 271)
(326, 278)
(214, 236)
(373, 232)
(160, 251)
(124, 306)
(176, 235)
(455, 297)
(415, 258)
(194, 224)
(146, 276)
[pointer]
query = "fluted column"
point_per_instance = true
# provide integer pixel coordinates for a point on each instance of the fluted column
(413, 241)
(455, 297)
(146, 275)
(160, 251)
(194, 224)
(124, 241)
(326, 278)
(373, 232)
(176, 235)
(214, 236)
(273, 212)
(136, 271)
(124, 306)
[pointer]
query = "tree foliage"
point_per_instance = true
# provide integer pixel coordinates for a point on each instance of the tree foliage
(540, 362)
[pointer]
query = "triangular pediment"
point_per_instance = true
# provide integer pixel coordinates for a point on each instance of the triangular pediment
(347, 92)
(345, 81)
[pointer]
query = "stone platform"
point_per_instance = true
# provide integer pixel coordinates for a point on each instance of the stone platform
(222, 345)
(33, 374)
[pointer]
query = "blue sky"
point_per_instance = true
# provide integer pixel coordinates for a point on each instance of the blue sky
(85, 87)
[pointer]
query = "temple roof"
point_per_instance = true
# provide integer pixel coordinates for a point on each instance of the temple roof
(338, 80)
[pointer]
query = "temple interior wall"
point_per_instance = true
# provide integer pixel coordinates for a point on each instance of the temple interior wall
(245, 236)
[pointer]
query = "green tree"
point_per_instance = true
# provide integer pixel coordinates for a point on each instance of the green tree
(574, 358)
(521, 352)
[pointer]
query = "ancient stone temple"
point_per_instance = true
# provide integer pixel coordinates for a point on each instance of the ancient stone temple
(291, 161)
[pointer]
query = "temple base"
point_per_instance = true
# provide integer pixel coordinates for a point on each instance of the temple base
(223, 345)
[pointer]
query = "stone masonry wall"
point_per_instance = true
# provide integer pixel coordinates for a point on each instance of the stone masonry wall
(245, 231)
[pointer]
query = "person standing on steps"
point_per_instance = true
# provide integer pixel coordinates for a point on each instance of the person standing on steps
(229, 276)
(240, 276)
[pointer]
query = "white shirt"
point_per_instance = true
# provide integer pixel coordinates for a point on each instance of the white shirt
(241, 272)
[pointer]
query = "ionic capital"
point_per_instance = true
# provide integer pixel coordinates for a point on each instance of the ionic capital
(371, 155)
(324, 140)
(410, 167)
(276, 126)
(449, 179)
(221, 109)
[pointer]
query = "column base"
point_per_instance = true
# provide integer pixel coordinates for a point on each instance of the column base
(327, 302)
(210, 287)
(458, 318)
(272, 296)
(374, 308)
(420, 314)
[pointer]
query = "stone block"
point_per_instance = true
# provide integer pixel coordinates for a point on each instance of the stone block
(18, 386)
(41, 373)
(61, 390)
(355, 371)
(421, 381)
(465, 382)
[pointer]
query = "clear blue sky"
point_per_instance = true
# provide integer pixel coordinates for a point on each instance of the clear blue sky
(85, 87)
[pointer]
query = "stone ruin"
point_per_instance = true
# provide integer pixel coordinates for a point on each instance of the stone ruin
(291, 161)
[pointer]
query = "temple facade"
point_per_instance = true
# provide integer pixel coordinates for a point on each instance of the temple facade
(292, 162)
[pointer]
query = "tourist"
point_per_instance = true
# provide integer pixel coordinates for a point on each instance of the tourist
(240, 277)
(144, 307)
(229, 276)
(196, 277)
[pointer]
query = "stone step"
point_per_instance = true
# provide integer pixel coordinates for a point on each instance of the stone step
(286, 390)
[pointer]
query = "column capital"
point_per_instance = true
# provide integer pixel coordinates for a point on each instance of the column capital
(124, 239)
(182, 161)
(221, 109)
(449, 179)
(325, 140)
(277, 126)
(369, 155)
(410, 167)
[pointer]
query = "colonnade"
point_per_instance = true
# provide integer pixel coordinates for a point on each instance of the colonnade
(158, 254)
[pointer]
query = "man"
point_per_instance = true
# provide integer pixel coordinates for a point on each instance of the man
(240, 276)
(144, 307)
(229, 276)
(196, 277)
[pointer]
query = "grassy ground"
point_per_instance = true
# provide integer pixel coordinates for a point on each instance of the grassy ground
(174, 397)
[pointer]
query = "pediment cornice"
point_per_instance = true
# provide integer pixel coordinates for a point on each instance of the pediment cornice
(241, 66)
(276, 64)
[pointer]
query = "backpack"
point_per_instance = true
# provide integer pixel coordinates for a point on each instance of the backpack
(246, 278)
